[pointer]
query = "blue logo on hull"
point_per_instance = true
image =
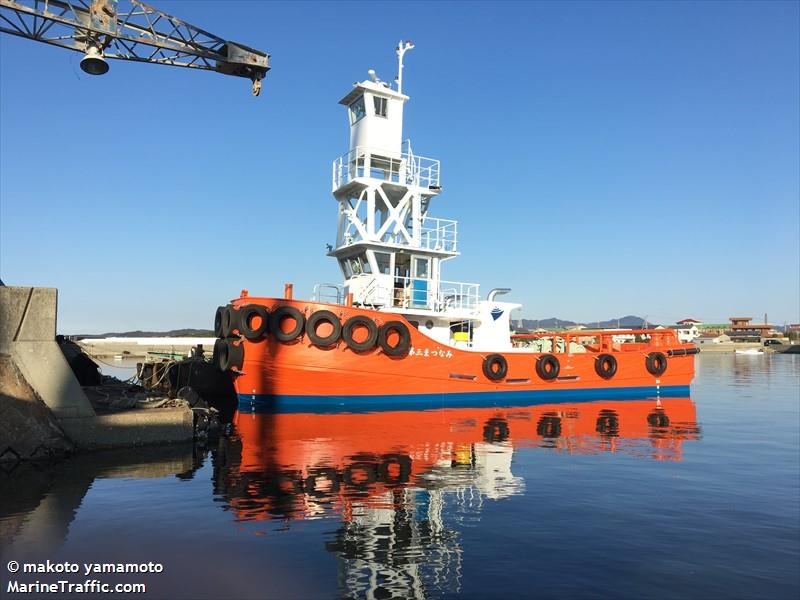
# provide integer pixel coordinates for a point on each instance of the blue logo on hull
(496, 312)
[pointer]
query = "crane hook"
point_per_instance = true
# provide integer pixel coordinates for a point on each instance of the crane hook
(256, 87)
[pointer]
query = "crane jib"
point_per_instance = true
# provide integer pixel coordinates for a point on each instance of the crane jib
(129, 30)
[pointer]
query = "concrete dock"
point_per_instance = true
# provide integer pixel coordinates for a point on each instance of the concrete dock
(730, 347)
(44, 411)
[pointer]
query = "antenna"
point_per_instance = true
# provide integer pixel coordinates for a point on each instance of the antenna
(402, 48)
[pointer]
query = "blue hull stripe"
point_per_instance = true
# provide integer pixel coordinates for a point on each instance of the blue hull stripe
(255, 403)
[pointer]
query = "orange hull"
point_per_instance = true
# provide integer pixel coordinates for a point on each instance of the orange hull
(304, 376)
(300, 463)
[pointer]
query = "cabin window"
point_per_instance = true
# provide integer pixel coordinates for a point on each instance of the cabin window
(356, 265)
(421, 266)
(380, 106)
(384, 262)
(365, 266)
(357, 110)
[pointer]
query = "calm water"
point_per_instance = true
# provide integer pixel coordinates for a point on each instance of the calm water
(664, 498)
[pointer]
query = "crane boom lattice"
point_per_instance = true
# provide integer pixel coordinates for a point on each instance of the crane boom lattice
(130, 30)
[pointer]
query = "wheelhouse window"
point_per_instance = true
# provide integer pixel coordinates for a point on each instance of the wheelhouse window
(365, 266)
(380, 106)
(347, 268)
(384, 262)
(421, 267)
(357, 110)
(356, 265)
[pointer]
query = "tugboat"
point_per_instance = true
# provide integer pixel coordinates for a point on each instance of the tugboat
(396, 333)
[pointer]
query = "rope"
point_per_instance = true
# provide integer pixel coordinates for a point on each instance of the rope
(163, 375)
(102, 362)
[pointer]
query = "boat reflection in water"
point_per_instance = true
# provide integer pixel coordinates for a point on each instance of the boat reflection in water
(400, 481)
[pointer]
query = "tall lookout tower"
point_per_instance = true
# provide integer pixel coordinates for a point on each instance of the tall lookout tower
(387, 246)
(389, 249)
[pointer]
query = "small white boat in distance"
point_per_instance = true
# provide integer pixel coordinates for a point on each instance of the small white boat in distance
(750, 351)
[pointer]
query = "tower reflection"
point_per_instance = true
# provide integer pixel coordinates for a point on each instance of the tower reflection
(402, 481)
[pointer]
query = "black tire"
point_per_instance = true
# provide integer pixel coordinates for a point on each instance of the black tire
(232, 356)
(230, 321)
(277, 317)
(656, 363)
(286, 484)
(369, 471)
(547, 367)
(607, 423)
(488, 367)
(549, 426)
(403, 344)
(403, 463)
(323, 316)
(328, 473)
(191, 396)
(246, 314)
(605, 366)
(372, 335)
(218, 322)
(658, 418)
(495, 430)
(220, 354)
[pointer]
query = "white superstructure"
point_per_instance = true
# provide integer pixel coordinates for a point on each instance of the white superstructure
(389, 248)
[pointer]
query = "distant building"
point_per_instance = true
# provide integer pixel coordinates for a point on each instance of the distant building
(686, 330)
(711, 338)
(689, 322)
(742, 330)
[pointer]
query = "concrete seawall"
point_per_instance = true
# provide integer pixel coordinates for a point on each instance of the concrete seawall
(46, 409)
(27, 335)
(729, 347)
(28, 430)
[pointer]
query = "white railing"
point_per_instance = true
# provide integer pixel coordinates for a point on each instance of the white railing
(434, 234)
(439, 234)
(331, 293)
(405, 168)
(422, 294)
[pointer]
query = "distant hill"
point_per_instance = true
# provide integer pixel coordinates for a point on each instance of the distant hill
(627, 321)
(171, 333)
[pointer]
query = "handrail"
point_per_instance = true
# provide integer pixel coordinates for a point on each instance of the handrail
(605, 338)
(439, 234)
(404, 167)
(421, 293)
(591, 332)
(318, 297)
(369, 292)
(442, 235)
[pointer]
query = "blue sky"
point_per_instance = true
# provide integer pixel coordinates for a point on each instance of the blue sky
(602, 159)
